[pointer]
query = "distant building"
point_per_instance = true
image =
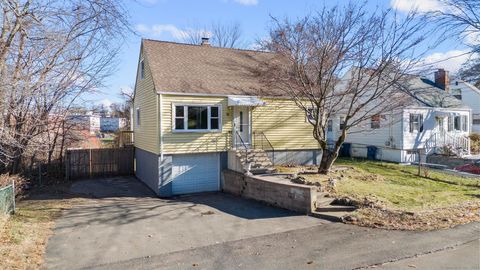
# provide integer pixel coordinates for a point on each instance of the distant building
(111, 124)
(90, 122)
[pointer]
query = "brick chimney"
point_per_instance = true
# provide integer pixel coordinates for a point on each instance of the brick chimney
(205, 41)
(441, 79)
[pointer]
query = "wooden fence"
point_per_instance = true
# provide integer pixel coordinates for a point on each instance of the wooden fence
(88, 163)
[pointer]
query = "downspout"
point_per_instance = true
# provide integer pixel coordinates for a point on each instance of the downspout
(159, 110)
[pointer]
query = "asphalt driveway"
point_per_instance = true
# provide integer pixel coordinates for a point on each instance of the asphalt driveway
(124, 220)
(124, 226)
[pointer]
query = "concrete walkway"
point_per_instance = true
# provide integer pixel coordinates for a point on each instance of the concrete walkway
(121, 230)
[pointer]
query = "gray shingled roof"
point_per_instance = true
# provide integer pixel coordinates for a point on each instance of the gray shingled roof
(424, 92)
(185, 68)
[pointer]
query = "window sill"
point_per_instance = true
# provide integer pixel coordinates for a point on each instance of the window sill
(197, 131)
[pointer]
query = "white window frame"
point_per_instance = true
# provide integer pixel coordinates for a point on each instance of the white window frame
(309, 117)
(138, 115)
(185, 118)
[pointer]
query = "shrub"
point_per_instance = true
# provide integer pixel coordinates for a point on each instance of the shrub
(20, 182)
(475, 142)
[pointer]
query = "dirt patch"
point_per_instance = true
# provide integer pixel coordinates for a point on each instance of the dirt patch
(440, 218)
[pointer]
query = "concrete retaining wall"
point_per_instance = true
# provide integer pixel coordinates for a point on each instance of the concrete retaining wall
(293, 197)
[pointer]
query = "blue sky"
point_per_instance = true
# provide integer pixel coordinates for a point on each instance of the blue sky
(165, 19)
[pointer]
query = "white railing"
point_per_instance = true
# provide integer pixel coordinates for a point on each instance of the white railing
(458, 144)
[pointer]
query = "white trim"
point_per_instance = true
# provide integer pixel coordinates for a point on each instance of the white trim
(217, 95)
(138, 117)
(185, 118)
(160, 107)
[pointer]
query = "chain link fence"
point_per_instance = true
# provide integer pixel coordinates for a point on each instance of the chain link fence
(7, 199)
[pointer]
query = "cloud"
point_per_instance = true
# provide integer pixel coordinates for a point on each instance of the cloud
(247, 2)
(450, 60)
(126, 90)
(158, 30)
(106, 102)
(417, 5)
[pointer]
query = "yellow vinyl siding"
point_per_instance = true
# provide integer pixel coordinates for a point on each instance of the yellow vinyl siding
(146, 134)
(281, 120)
(195, 142)
(284, 124)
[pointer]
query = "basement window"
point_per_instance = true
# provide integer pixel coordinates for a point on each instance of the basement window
(196, 118)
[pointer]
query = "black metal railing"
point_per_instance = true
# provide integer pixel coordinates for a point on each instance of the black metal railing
(260, 141)
(243, 145)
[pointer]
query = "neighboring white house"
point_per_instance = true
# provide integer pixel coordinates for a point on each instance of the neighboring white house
(470, 96)
(432, 120)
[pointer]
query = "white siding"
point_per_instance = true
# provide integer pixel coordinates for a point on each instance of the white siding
(471, 98)
(415, 139)
(390, 130)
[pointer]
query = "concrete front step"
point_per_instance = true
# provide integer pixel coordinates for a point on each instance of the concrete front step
(331, 216)
(324, 201)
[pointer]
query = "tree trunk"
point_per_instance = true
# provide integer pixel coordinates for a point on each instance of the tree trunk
(328, 158)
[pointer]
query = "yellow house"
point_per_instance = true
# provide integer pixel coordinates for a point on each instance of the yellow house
(197, 107)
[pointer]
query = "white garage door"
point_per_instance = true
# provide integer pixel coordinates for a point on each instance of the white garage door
(195, 173)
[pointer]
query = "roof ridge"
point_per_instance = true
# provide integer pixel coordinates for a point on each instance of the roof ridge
(200, 46)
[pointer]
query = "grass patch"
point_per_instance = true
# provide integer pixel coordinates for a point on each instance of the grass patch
(393, 196)
(23, 236)
(398, 186)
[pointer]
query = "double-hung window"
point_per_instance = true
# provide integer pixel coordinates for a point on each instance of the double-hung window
(375, 121)
(457, 123)
(450, 123)
(342, 123)
(416, 122)
(464, 123)
(137, 116)
(329, 125)
(197, 118)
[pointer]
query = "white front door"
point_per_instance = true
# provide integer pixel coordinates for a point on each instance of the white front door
(242, 125)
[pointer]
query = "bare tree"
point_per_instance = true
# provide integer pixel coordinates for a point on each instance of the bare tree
(461, 18)
(51, 52)
(343, 62)
(225, 35)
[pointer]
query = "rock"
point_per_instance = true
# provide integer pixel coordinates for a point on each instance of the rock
(350, 219)
(332, 182)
